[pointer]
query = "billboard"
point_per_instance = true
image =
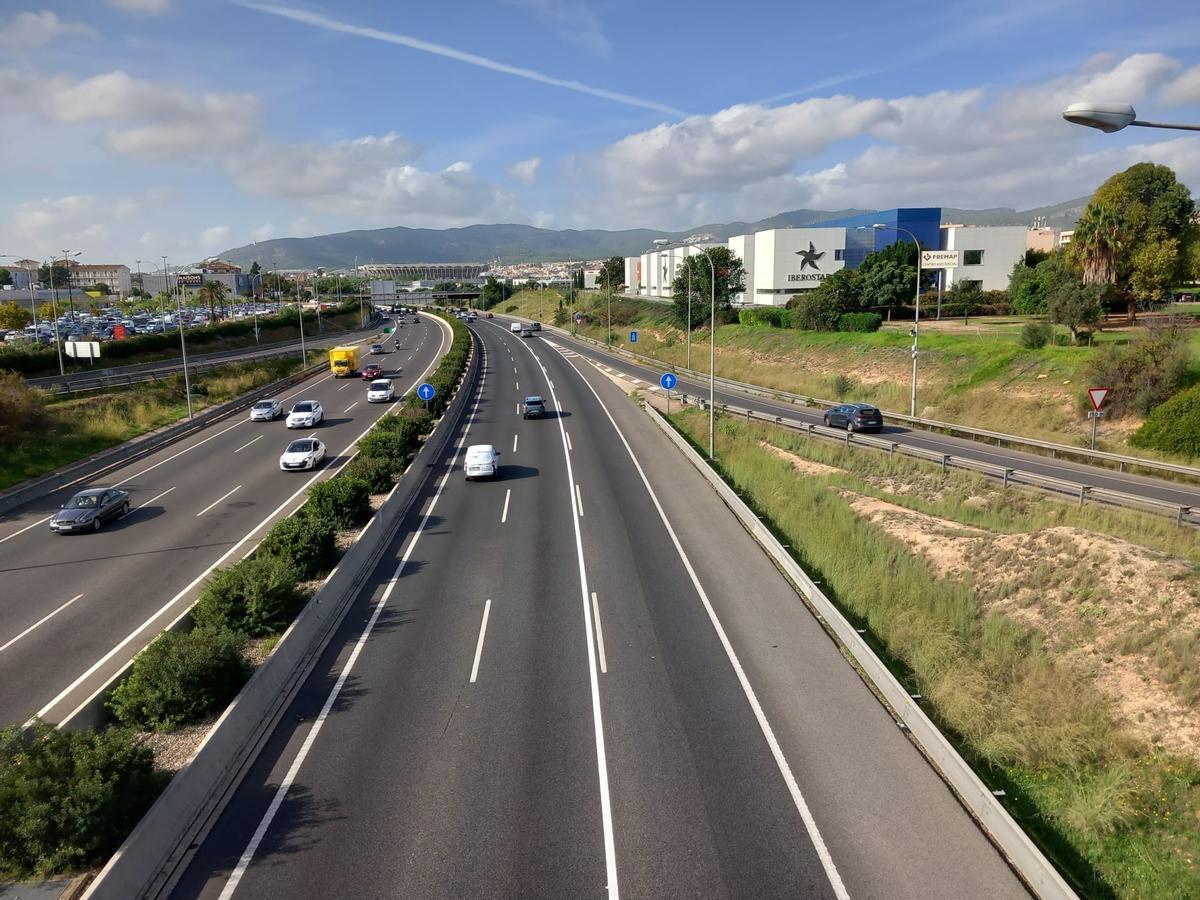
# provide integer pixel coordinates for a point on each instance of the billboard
(190, 279)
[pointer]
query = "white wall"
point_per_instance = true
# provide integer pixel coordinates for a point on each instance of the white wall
(742, 246)
(778, 275)
(1002, 246)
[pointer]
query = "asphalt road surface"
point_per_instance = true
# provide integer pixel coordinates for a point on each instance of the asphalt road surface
(75, 608)
(584, 678)
(1169, 491)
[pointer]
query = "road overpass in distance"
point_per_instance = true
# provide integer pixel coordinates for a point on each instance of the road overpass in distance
(424, 271)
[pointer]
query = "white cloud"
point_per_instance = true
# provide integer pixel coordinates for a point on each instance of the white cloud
(571, 20)
(263, 232)
(312, 171)
(28, 30)
(1184, 89)
(526, 170)
(216, 236)
(542, 219)
(152, 7)
(77, 221)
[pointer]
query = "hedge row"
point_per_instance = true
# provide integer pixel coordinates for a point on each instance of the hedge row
(781, 317)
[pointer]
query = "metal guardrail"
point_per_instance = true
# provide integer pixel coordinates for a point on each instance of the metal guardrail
(1022, 853)
(1180, 513)
(951, 429)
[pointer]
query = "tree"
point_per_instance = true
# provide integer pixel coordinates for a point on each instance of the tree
(841, 291)
(731, 279)
(62, 275)
(14, 316)
(213, 294)
(494, 292)
(1153, 208)
(888, 277)
(965, 295)
(46, 311)
(5, 277)
(255, 268)
(1097, 242)
(612, 274)
(1033, 257)
(1075, 304)
(102, 288)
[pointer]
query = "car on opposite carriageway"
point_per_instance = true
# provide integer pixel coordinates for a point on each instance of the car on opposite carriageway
(90, 509)
(481, 461)
(854, 417)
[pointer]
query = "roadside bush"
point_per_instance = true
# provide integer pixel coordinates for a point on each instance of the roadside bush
(376, 473)
(774, 316)
(843, 384)
(257, 596)
(511, 308)
(70, 798)
(561, 317)
(180, 678)
(1035, 335)
(860, 321)
(1173, 426)
(344, 501)
(22, 415)
(816, 311)
(1144, 373)
(388, 447)
(307, 542)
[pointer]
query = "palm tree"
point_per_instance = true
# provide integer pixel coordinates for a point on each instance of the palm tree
(1097, 243)
(214, 293)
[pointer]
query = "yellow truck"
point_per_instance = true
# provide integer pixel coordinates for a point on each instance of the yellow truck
(343, 362)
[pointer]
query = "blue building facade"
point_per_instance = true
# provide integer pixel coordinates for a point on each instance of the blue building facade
(863, 238)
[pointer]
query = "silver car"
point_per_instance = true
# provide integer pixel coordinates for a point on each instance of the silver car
(90, 509)
(265, 411)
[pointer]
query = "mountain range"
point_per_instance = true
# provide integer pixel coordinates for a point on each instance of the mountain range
(524, 243)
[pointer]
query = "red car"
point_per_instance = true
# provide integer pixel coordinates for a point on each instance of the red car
(489, 316)
(374, 370)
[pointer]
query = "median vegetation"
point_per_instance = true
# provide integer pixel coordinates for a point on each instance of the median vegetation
(70, 799)
(1051, 644)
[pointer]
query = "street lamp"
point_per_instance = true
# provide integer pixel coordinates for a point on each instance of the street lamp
(67, 258)
(187, 382)
(54, 306)
(880, 226)
(662, 244)
(1111, 117)
(162, 313)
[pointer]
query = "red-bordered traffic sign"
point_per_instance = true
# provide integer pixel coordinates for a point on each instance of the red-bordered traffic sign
(1097, 395)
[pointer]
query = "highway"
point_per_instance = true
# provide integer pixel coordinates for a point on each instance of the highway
(77, 607)
(1176, 492)
(584, 678)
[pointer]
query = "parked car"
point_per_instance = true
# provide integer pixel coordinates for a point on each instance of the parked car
(377, 349)
(305, 414)
(303, 454)
(380, 391)
(855, 417)
(534, 407)
(90, 509)
(371, 372)
(265, 410)
(481, 461)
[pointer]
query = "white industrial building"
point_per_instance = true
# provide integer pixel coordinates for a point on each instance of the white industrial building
(987, 254)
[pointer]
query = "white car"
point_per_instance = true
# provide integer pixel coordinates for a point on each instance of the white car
(515, 327)
(305, 414)
(380, 391)
(481, 461)
(265, 411)
(307, 453)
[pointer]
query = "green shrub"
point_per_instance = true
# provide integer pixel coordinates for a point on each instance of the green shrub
(257, 596)
(1145, 372)
(308, 542)
(1173, 426)
(394, 440)
(511, 308)
(774, 316)
(816, 311)
(842, 385)
(70, 798)
(375, 473)
(22, 414)
(180, 678)
(1035, 335)
(860, 321)
(345, 501)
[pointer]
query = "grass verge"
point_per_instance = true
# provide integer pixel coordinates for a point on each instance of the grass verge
(1117, 816)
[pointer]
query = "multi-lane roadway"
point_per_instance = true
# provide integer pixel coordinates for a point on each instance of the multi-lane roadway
(584, 678)
(76, 608)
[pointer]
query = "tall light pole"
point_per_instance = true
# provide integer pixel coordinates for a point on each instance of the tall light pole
(880, 226)
(162, 312)
(1110, 117)
(68, 257)
(662, 243)
(54, 307)
(187, 381)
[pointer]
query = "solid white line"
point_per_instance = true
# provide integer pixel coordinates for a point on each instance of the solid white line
(259, 833)
(40, 621)
(504, 515)
(248, 443)
(343, 387)
(478, 647)
(350, 407)
(606, 814)
(599, 634)
(152, 499)
(215, 502)
(579, 497)
(569, 447)
(515, 436)
(810, 824)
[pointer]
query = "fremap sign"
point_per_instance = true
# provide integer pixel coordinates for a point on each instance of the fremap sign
(940, 259)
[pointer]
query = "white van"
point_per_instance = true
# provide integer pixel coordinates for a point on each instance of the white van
(481, 461)
(515, 327)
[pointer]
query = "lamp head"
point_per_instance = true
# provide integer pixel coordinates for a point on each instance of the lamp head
(1107, 117)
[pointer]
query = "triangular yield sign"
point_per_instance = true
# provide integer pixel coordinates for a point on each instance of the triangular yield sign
(1097, 395)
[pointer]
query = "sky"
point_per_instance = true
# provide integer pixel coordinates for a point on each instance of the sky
(134, 129)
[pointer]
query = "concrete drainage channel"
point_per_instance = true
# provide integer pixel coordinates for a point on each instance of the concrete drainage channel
(150, 859)
(1022, 854)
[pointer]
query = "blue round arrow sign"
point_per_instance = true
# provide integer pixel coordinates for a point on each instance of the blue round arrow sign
(426, 391)
(668, 381)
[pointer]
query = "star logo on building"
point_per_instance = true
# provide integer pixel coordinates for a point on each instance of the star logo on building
(809, 257)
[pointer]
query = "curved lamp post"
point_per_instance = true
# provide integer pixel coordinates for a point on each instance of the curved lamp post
(880, 226)
(1111, 117)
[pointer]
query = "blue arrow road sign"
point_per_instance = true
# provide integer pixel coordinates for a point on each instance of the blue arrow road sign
(426, 391)
(633, 337)
(668, 381)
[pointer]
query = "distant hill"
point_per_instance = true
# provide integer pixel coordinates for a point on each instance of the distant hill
(524, 243)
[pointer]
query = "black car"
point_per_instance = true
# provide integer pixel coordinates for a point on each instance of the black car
(855, 417)
(533, 408)
(90, 509)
